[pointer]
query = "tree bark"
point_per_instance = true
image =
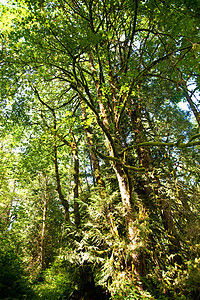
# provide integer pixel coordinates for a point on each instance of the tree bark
(192, 105)
(98, 176)
(110, 126)
(76, 181)
(149, 187)
(94, 159)
(59, 188)
(44, 216)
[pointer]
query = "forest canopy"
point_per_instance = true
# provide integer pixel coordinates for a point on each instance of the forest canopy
(99, 164)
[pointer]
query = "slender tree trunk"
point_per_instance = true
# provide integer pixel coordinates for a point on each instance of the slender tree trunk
(192, 105)
(43, 231)
(94, 159)
(59, 188)
(76, 181)
(8, 208)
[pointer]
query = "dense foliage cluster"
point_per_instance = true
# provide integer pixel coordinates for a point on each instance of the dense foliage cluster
(99, 162)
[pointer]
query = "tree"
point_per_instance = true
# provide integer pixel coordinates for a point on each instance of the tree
(127, 65)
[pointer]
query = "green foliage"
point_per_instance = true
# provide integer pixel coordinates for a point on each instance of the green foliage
(104, 77)
(28, 223)
(54, 283)
(13, 280)
(176, 282)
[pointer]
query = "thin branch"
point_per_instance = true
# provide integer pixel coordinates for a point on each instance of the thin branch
(68, 102)
(132, 36)
(156, 61)
(144, 73)
(52, 131)
(39, 98)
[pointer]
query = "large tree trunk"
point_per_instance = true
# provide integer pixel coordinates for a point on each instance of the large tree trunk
(145, 184)
(138, 263)
(97, 174)
(109, 124)
(148, 187)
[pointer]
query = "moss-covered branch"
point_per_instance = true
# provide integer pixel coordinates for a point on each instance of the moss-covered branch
(194, 137)
(119, 161)
(176, 144)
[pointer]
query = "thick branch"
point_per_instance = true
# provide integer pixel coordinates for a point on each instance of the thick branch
(118, 161)
(164, 144)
